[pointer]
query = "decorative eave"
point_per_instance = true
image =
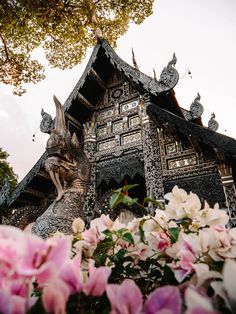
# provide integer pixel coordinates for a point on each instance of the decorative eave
(25, 181)
(224, 143)
(168, 79)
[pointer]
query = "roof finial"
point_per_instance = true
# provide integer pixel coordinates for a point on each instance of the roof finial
(213, 124)
(99, 35)
(98, 32)
(134, 60)
(196, 108)
(154, 74)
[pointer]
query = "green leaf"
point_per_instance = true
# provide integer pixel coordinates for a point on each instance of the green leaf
(127, 200)
(119, 256)
(185, 222)
(150, 200)
(141, 231)
(116, 199)
(108, 234)
(142, 234)
(100, 253)
(129, 187)
(128, 237)
(174, 233)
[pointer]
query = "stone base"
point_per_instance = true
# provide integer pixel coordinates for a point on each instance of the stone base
(60, 215)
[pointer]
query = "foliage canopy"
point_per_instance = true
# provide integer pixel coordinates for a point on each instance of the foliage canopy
(6, 170)
(63, 28)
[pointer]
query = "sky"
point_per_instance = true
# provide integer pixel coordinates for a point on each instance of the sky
(202, 34)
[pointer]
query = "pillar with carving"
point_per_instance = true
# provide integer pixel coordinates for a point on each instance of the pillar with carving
(225, 172)
(90, 149)
(151, 153)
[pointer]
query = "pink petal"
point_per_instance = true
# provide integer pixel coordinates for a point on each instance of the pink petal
(126, 298)
(97, 281)
(199, 310)
(55, 296)
(34, 255)
(60, 250)
(5, 302)
(18, 305)
(165, 298)
(71, 274)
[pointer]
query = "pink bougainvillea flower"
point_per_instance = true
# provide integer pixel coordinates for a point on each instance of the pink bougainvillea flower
(163, 242)
(55, 296)
(91, 238)
(184, 266)
(163, 300)
(12, 304)
(60, 250)
(13, 246)
(34, 255)
(97, 280)
(125, 298)
(71, 274)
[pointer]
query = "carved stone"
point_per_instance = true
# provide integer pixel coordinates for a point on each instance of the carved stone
(196, 108)
(213, 124)
(5, 192)
(46, 124)
(69, 169)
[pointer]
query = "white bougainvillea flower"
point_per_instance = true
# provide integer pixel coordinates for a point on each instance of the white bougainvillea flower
(102, 223)
(229, 279)
(212, 216)
(78, 225)
(182, 204)
(197, 303)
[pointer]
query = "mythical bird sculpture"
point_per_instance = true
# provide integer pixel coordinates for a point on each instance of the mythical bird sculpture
(69, 170)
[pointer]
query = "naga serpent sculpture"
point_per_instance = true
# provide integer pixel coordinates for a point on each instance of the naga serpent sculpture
(69, 169)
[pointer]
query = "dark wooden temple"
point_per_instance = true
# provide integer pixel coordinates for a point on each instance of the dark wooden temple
(142, 136)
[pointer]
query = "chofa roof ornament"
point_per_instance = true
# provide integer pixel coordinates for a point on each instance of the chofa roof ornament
(135, 64)
(169, 75)
(46, 124)
(213, 124)
(196, 108)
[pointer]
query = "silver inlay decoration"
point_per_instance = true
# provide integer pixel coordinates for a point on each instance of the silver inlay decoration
(128, 106)
(105, 114)
(117, 126)
(131, 138)
(106, 144)
(182, 162)
(171, 148)
(134, 120)
(101, 131)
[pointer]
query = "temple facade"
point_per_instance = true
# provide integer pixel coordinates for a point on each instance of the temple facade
(134, 131)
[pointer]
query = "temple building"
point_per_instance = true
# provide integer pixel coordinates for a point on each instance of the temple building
(133, 130)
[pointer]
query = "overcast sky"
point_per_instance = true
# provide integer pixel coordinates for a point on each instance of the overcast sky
(202, 33)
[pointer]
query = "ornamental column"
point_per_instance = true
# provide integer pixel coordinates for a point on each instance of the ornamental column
(151, 153)
(225, 172)
(90, 150)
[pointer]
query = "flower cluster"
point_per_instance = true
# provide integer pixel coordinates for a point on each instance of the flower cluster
(179, 260)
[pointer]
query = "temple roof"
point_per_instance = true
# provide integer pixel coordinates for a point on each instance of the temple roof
(224, 143)
(88, 91)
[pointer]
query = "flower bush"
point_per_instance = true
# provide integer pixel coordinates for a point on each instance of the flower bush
(179, 260)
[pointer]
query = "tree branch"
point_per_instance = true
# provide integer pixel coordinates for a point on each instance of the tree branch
(5, 47)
